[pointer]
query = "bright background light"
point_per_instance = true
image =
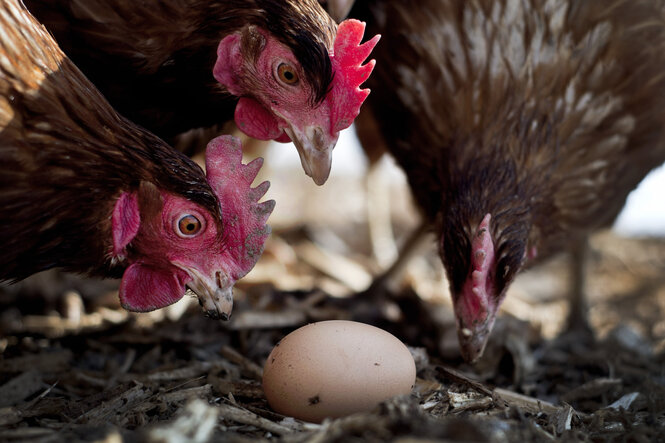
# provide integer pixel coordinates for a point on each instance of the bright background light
(644, 213)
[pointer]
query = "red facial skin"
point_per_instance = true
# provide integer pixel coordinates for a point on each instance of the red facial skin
(164, 258)
(477, 303)
(476, 306)
(169, 242)
(275, 99)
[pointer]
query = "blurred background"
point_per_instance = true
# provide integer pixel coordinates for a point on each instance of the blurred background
(644, 213)
(322, 245)
(321, 241)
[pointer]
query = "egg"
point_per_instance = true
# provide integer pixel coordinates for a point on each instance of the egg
(335, 368)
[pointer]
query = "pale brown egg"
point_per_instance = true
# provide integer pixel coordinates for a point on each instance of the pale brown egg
(335, 368)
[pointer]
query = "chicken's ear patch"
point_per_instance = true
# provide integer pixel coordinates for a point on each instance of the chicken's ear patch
(229, 63)
(232, 53)
(144, 288)
(243, 217)
(125, 222)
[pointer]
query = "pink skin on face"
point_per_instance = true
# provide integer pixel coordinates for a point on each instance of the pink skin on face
(180, 245)
(279, 107)
(476, 306)
(164, 258)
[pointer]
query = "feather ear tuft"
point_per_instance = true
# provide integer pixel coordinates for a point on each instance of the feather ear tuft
(347, 58)
(243, 217)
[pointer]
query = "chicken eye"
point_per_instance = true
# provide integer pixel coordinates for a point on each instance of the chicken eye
(287, 74)
(189, 225)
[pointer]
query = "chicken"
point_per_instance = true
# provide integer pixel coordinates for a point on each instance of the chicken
(282, 67)
(522, 127)
(84, 189)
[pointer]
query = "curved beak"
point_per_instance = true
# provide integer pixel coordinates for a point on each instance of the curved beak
(215, 293)
(315, 149)
(473, 341)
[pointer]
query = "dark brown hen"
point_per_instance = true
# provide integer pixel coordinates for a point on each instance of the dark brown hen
(280, 67)
(522, 127)
(84, 189)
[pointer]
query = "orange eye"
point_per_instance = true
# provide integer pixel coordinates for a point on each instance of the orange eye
(189, 225)
(287, 74)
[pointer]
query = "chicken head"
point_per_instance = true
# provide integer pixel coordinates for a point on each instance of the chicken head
(276, 100)
(481, 260)
(170, 243)
(477, 303)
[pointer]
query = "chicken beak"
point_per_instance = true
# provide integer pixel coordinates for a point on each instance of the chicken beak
(315, 150)
(473, 341)
(215, 294)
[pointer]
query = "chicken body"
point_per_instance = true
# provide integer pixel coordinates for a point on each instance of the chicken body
(84, 189)
(277, 66)
(522, 127)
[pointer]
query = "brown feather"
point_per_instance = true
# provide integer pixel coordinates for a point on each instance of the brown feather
(545, 114)
(153, 60)
(66, 156)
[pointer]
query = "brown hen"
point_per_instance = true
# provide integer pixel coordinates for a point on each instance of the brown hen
(84, 189)
(281, 68)
(522, 127)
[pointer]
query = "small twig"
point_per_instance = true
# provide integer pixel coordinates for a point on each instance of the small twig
(524, 402)
(461, 378)
(90, 380)
(182, 394)
(234, 413)
(185, 383)
(244, 388)
(192, 371)
(42, 395)
(591, 389)
(564, 419)
(248, 365)
(130, 357)
(123, 401)
(506, 397)
(464, 402)
(20, 387)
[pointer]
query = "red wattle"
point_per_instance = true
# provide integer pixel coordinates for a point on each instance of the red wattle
(144, 288)
(256, 121)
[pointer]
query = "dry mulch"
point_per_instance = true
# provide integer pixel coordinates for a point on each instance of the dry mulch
(75, 366)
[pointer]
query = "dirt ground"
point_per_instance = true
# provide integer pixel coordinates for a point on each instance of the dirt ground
(75, 366)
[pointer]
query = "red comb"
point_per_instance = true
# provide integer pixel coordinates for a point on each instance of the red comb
(244, 219)
(347, 58)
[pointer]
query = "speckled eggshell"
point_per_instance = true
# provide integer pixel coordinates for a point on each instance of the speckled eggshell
(335, 368)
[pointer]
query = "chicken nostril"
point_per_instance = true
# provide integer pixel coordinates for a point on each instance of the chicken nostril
(214, 314)
(319, 141)
(218, 279)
